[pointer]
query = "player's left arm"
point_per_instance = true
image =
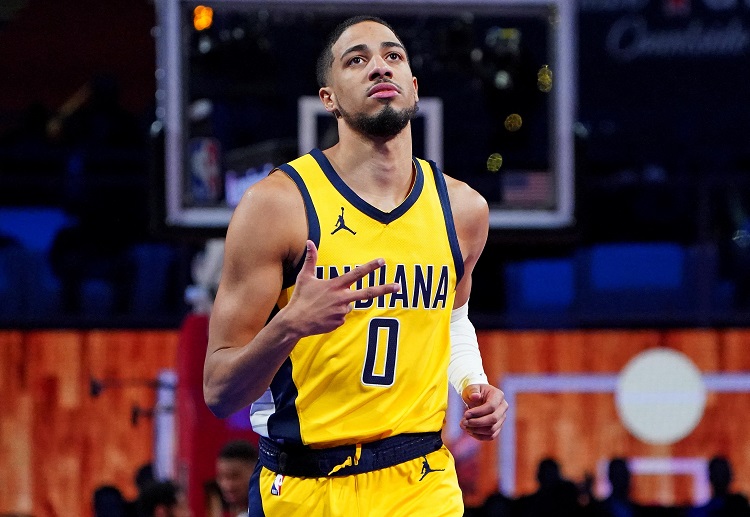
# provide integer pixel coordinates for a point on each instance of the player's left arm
(486, 404)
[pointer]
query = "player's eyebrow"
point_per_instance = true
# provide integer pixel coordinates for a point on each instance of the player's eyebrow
(362, 46)
(392, 44)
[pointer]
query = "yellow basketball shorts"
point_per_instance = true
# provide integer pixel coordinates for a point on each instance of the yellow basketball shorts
(423, 487)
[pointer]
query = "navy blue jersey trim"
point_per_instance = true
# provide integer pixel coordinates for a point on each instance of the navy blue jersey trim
(284, 423)
(313, 225)
(442, 189)
(359, 203)
(255, 500)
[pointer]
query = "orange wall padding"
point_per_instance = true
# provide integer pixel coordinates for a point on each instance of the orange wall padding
(58, 443)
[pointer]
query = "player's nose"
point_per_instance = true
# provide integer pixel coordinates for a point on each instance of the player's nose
(380, 69)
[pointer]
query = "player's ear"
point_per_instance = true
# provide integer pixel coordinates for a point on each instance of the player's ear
(327, 97)
(416, 89)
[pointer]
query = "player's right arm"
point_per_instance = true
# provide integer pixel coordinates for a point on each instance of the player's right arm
(242, 355)
(268, 230)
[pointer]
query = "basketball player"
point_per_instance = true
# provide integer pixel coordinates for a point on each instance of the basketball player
(342, 308)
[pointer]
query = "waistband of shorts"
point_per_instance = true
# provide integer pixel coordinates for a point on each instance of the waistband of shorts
(302, 461)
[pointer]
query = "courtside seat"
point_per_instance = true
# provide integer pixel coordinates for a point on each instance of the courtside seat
(42, 291)
(540, 292)
(713, 295)
(97, 298)
(634, 282)
(36, 292)
(154, 272)
(12, 263)
(29, 292)
(34, 227)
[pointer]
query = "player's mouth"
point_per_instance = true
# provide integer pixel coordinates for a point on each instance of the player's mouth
(384, 90)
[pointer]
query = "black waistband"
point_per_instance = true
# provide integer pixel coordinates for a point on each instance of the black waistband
(301, 461)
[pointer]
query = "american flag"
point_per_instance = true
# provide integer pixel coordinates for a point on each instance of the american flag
(528, 189)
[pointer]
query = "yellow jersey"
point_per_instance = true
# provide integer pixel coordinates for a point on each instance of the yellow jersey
(384, 371)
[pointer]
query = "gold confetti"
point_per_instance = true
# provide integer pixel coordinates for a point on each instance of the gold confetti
(544, 79)
(513, 122)
(494, 162)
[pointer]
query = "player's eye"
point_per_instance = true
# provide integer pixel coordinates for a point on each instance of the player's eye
(356, 60)
(394, 55)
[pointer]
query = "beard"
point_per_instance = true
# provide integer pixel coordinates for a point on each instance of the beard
(386, 123)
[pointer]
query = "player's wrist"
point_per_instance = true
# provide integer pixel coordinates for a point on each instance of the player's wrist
(289, 327)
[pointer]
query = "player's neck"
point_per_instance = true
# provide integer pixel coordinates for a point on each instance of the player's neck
(378, 170)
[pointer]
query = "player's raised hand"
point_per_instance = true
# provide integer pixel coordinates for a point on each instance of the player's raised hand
(318, 306)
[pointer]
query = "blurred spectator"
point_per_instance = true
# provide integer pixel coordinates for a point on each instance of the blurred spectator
(32, 165)
(215, 506)
(107, 156)
(234, 467)
(90, 252)
(105, 188)
(109, 502)
(144, 476)
(93, 117)
(618, 503)
(163, 499)
(496, 505)
(555, 497)
(723, 502)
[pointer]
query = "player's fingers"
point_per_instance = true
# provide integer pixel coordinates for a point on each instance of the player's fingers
(359, 272)
(485, 426)
(479, 411)
(311, 260)
(484, 433)
(368, 293)
(479, 422)
(485, 436)
(480, 433)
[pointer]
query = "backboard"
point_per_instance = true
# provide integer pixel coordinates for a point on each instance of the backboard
(238, 97)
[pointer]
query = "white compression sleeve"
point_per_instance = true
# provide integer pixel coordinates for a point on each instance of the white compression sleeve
(465, 366)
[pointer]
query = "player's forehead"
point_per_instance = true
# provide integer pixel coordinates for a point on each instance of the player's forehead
(369, 33)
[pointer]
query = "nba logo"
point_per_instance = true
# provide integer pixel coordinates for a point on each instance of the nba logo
(276, 487)
(676, 7)
(205, 170)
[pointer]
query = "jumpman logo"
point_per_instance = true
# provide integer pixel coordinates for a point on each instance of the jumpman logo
(426, 469)
(341, 225)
